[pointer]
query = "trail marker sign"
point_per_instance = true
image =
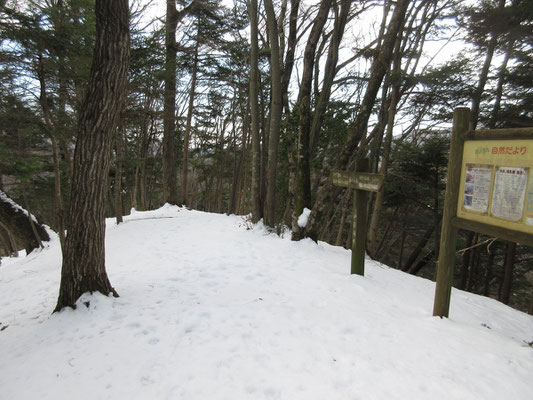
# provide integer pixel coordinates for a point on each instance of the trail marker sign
(362, 182)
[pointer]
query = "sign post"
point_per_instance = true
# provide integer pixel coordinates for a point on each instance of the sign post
(448, 236)
(362, 182)
(489, 190)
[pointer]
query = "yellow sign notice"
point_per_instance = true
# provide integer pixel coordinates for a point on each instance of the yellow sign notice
(496, 183)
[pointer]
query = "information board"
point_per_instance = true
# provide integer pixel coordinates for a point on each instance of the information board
(496, 183)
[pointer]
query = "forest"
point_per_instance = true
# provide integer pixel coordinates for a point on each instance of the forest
(245, 107)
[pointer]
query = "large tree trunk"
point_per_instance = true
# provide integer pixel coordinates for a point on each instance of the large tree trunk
(83, 268)
(170, 178)
(379, 68)
(15, 221)
(254, 114)
(275, 115)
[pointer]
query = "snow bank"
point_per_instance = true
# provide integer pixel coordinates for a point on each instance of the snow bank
(212, 310)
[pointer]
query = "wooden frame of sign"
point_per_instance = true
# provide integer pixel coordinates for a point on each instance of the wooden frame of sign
(362, 182)
(489, 190)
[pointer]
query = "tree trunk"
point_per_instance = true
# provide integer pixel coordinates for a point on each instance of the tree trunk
(422, 263)
(330, 70)
(380, 196)
(499, 86)
(483, 76)
(275, 115)
(530, 309)
(170, 179)
(254, 113)
(488, 272)
(386, 232)
(508, 273)
(239, 172)
(188, 124)
(43, 100)
(466, 259)
(403, 235)
(119, 147)
(418, 249)
(83, 268)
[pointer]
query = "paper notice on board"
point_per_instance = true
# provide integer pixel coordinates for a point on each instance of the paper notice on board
(529, 207)
(509, 193)
(477, 188)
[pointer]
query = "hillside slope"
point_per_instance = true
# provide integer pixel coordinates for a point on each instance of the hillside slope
(211, 309)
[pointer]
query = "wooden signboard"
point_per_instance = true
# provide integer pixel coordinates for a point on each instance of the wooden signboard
(362, 182)
(359, 180)
(489, 190)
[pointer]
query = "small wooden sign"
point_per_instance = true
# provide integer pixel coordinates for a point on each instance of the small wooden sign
(358, 180)
(362, 182)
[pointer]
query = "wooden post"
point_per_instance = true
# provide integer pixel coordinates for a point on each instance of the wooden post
(448, 238)
(359, 215)
(362, 182)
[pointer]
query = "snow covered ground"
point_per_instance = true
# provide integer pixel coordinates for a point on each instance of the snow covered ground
(211, 309)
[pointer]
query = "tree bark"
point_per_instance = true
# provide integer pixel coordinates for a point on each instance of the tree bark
(275, 115)
(530, 309)
(170, 184)
(188, 123)
(119, 154)
(380, 196)
(239, 171)
(508, 273)
(83, 269)
(43, 100)
(418, 249)
(483, 76)
(330, 71)
(254, 114)
(488, 272)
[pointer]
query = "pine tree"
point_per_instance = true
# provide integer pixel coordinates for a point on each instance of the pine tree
(83, 269)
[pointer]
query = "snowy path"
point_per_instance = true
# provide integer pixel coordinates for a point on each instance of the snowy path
(211, 310)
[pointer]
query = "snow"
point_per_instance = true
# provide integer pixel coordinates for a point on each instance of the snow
(211, 309)
(304, 217)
